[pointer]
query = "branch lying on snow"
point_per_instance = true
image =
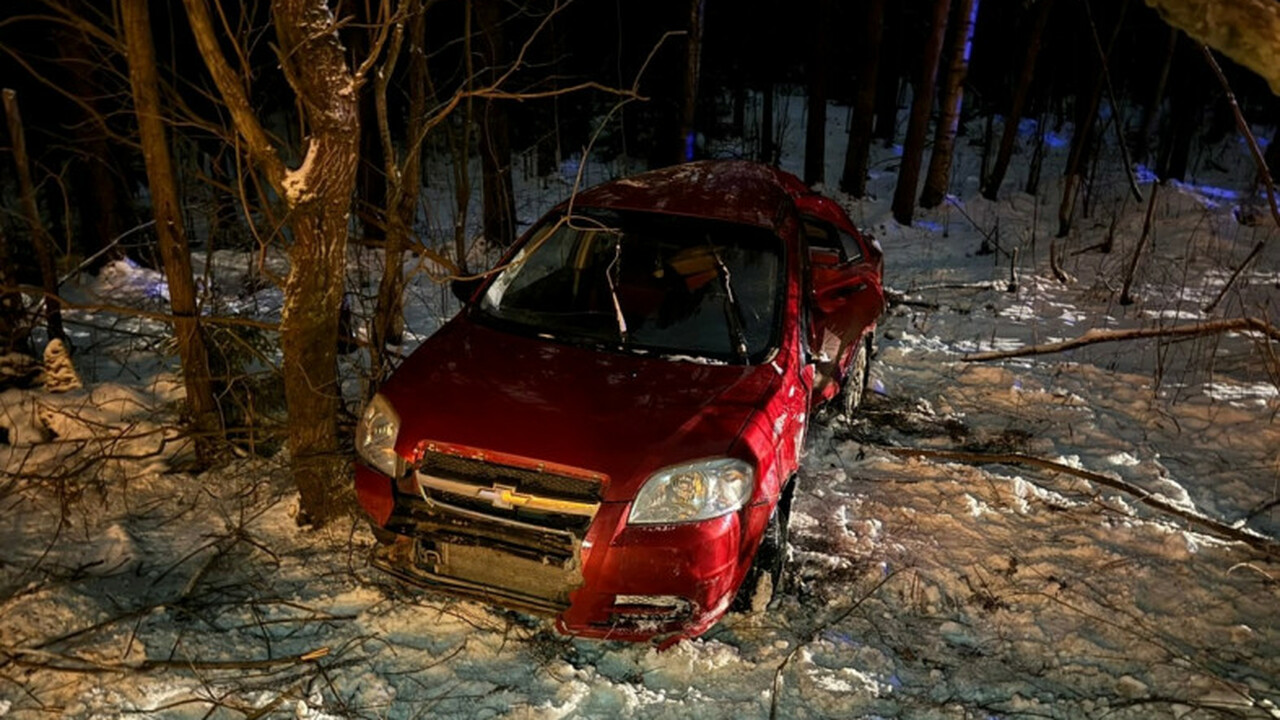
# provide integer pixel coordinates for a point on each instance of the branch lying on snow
(1094, 337)
(45, 660)
(1264, 543)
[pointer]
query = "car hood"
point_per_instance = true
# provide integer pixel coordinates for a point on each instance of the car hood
(617, 414)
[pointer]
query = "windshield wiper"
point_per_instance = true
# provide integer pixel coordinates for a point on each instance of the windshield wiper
(732, 311)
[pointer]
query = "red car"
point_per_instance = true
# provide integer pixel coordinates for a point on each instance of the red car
(609, 432)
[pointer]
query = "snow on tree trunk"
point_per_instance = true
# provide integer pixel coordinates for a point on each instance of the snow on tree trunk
(692, 75)
(944, 142)
(318, 195)
(170, 232)
(1247, 31)
(59, 373)
(904, 195)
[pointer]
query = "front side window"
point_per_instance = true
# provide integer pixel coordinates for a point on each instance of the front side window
(646, 282)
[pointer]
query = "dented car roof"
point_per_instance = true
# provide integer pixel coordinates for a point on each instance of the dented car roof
(735, 191)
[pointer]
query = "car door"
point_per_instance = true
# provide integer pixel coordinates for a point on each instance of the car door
(845, 295)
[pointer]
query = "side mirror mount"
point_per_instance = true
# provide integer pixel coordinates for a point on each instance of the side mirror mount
(465, 288)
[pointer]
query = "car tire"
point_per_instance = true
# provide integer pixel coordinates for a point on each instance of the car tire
(855, 385)
(764, 581)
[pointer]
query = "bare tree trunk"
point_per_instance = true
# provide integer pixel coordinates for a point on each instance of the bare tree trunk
(31, 211)
(1273, 152)
(815, 135)
(991, 187)
(1080, 140)
(692, 73)
(904, 195)
(14, 332)
(1032, 187)
(767, 150)
(887, 84)
(1151, 111)
(405, 183)
(857, 156)
(495, 139)
(170, 231)
(938, 178)
(318, 195)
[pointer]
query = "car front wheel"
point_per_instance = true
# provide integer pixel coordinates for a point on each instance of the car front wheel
(764, 580)
(855, 385)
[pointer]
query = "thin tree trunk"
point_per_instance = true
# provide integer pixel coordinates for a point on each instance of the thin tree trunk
(1126, 298)
(1080, 140)
(686, 140)
(14, 332)
(31, 211)
(1151, 112)
(1037, 158)
(1010, 135)
(904, 195)
(495, 140)
(815, 135)
(170, 231)
(888, 84)
(405, 184)
(767, 150)
(1273, 153)
(938, 179)
(318, 195)
(857, 156)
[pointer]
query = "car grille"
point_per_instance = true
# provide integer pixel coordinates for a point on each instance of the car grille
(509, 534)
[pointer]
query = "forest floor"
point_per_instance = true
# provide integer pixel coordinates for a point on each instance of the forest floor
(957, 585)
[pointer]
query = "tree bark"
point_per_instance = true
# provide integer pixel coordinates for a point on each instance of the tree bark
(938, 179)
(405, 182)
(31, 211)
(887, 83)
(686, 140)
(815, 135)
(1081, 139)
(170, 232)
(1151, 111)
(14, 332)
(904, 195)
(853, 179)
(768, 152)
(318, 195)
(495, 139)
(991, 187)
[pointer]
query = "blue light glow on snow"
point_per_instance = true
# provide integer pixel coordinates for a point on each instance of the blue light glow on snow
(930, 225)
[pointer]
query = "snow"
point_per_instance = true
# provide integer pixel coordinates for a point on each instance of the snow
(919, 588)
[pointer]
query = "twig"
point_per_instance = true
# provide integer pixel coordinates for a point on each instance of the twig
(1094, 337)
(1264, 543)
(1125, 297)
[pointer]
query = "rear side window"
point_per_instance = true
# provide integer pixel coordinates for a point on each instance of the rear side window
(824, 236)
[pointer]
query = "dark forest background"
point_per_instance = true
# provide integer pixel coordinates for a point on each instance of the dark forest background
(488, 80)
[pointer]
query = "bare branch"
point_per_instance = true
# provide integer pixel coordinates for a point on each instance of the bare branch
(1264, 543)
(237, 101)
(1093, 337)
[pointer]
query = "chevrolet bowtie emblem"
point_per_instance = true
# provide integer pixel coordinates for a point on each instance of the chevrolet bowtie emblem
(504, 497)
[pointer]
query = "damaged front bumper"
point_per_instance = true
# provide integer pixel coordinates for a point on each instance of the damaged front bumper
(596, 575)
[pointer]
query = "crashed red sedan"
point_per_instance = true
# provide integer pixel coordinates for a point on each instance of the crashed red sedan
(609, 431)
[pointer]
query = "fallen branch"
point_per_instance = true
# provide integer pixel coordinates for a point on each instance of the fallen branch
(1263, 543)
(59, 662)
(1093, 337)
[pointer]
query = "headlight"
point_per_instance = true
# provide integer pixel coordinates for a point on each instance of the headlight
(695, 491)
(376, 437)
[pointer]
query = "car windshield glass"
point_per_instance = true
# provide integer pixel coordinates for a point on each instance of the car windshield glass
(646, 281)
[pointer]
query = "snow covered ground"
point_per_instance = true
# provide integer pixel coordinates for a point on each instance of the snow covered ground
(920, 588)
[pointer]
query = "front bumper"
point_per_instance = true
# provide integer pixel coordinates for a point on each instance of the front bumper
(605, 579)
